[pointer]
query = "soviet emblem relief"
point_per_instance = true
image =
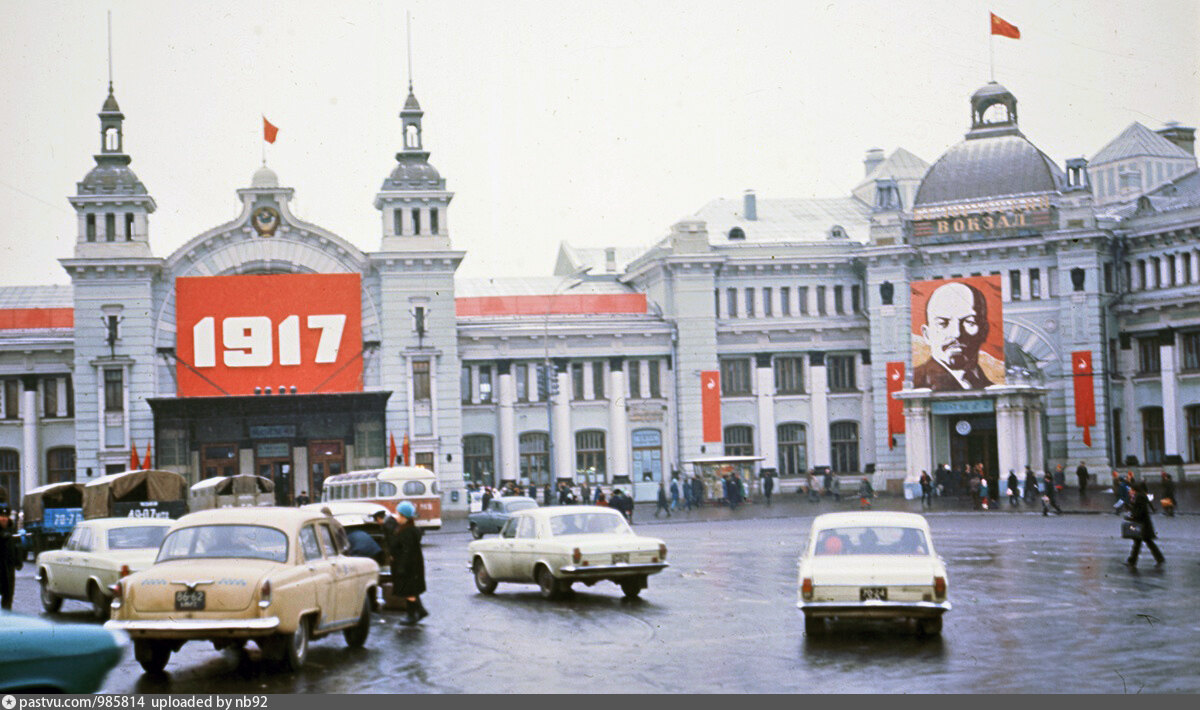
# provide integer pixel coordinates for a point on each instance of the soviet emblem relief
(266, 221)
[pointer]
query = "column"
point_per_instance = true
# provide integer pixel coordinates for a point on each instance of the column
(1147, 275)
(1006, 439)
(1020, 431)
(30, 455)
(1131, 425)
(1195, 267)
(1170, 396)
(564, 443)
(918, 449)
(867, 429)
(1180, 277)
(812, 300)
(1025, 293)
(1037, 455)
(619, 453)
(765, 389)
(1164, 271)
(818, 428)
(506, 441)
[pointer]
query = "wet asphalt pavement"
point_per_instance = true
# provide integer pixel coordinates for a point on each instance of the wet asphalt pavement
(1040, 605)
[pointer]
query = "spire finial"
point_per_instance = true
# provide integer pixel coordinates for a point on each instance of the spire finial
(110, 73)
(408, 26)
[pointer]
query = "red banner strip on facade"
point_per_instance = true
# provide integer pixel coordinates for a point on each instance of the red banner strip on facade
(1085, 400)
(35, 318)
(564, 304)
(710, 405)
(895, 407)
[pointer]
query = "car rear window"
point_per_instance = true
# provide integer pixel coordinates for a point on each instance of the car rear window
(516, 505)
(256, 542)
(133, 538)
(871, 540)
(589, 524)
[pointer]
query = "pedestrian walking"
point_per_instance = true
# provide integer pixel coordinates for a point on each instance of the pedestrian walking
(11, 557)
(675, 493)
(487, 497)
(408, 564)
(1014, 489)
(973, 489)
(547, 497)
(1031, 485)
(768, 485)
(985, 499)
(1081, 475)
(1060, 477)
(622, 503)
(827, 484)
(1120, 492)
(1139, 513)
(698, 491)
(865, 493)
(1168, 495)
(663, 502)
(926, 490)
(1049, 496)
(814, 496)
(585, 493)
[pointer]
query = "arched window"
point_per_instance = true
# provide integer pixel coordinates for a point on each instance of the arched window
(60, 464)
(412, 136)
(10, 475)
(736, 234)
(1152, 435)
(739, 440)
(534, 449)
(843, 445)
(479, 464)
(793, 450)
(112, 139)
(590, 456)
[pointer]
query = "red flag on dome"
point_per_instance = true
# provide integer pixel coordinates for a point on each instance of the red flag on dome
(1085, 400)
(1004, 29)
(269, 130)
(134, 462)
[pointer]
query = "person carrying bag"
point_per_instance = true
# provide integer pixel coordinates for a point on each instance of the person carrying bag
(1139, 528)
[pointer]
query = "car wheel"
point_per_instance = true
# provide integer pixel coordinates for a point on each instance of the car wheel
(632, 588)
(101, 605)
(153, 655)
(296, 647)
(51, 602)
(813, 625)
(930, 627)
(549, 585)
(356, 635)
(475, 533)
(483, 581)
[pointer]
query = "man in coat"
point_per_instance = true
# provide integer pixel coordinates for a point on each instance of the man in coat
(768, 485)
(10, 557)
(1081, 475)
(1140, 513)
(1049, 495)
(408, 563)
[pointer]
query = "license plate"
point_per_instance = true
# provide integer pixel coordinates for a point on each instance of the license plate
(869, 593)
(189, 601)
(619, 557)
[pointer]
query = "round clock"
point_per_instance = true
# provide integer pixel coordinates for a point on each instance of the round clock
(963, 427)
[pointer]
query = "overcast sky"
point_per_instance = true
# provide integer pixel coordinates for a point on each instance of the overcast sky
(598, 123)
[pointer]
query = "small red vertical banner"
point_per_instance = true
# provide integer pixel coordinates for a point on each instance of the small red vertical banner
(895, 407)
(134, 462)
(1085, 400)
(392, 450)
(404, 448)
(147, 464)
(710, 405)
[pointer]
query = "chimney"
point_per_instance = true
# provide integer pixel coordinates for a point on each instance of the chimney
(1179, 135)
(749, 206)
(610, 260)
(873, 159)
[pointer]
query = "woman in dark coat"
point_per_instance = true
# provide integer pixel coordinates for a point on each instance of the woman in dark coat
(1140, 513)
(408, 564)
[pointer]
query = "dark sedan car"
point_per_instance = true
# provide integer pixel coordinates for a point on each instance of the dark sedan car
(498, 512)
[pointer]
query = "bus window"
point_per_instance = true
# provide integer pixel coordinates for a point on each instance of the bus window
(414, 488)
(387, 490)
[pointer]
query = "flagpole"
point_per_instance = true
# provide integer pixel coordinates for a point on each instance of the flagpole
(992, 55)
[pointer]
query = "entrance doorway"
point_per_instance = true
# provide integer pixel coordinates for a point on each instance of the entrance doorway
(325, 458)
(973, 440)
(274, 461)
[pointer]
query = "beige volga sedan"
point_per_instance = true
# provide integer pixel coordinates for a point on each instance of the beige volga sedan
(276, 576)
(96, 555)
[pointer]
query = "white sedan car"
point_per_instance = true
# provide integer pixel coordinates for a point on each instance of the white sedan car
(96, 555)
(872, 565)
(558, 546)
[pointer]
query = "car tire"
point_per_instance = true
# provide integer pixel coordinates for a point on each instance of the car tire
(475, 533)
(483, 581)
(152, 655)
(930, 627)
(631, 588)
(51, 602)
(101, 604)
(549, 586)
(295, 647)
(356, 636)
(813, 625)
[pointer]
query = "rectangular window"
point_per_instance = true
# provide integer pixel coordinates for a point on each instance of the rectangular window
(416, 217)
(1148, 356)
(420, 380)
(731, 302)
(424, 459)
(841, 371)
(749, 303)
(1014, 285)
(433, 221)
(635, 379)
(785, 301)
(464, 384)
(598, 380)
(1192, 414)
(856, 299)
(577, 380)
(789, 375)
(12, 399)
(735, 376)
(839, 304)
(114, 390)
(1170, 278)
(1118, 442)
(1108, 284)
(129, 226)
(110, 227)
(820, 300)
(91, 228)
(485, 383)
(803, 292)
(1152, 435)
(768, 306)
(590, 458)
(655, 385)
(50, 397)
(398, 222)
(1035, 284)
(1191, 350)
(739, 440)
(843, 446)
(717, 302)
(522, 382)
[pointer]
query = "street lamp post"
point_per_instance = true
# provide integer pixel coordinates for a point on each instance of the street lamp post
(567, 283)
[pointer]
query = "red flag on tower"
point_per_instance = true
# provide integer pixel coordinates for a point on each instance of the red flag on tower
(1004, 29)
(269, 130)
(1085, 399)
(134, 462)
(895, 407)
(404, 448)
(149, 447)
(710, 405)
(392, 450)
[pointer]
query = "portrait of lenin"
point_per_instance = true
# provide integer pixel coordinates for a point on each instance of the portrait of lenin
(955, 328)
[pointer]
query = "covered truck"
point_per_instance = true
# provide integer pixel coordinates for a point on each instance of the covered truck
(231, 492)
(136, 494)
(51, 512)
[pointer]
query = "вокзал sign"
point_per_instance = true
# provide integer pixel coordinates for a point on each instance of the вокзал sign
(236, 333)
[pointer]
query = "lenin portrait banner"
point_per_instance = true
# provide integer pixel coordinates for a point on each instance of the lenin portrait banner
(957, 334)
(236, 333)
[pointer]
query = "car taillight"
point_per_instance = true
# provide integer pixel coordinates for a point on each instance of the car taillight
(576, 555)
(806, 588)
(662, 552)
(939, 586)
(264, 595)
(124, 570)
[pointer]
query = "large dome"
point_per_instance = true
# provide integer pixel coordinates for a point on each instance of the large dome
(989, 167)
